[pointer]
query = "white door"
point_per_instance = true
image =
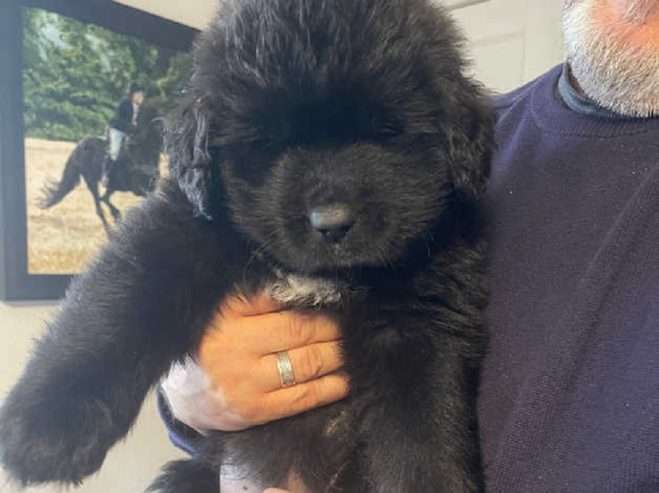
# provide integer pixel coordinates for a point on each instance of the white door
(510, 41)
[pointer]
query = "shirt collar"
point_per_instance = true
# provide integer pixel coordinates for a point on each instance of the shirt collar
(579, 102)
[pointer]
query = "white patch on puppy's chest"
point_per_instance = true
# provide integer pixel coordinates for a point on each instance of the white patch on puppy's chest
(301, 290)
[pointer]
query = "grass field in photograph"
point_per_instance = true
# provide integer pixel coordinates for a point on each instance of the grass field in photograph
(62, 239)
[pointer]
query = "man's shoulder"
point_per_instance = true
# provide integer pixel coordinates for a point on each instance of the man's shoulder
(501, 102)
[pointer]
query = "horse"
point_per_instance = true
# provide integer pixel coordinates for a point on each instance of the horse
(136, 170)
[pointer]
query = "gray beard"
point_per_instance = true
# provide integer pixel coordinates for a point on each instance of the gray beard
(616, 77)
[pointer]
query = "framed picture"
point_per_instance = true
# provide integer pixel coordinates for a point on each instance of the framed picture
(84, 87)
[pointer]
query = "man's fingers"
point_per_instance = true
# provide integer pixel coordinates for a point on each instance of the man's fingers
(305, 396)
(308, 362)
(266, 328)
(290, 330)
(258, 304)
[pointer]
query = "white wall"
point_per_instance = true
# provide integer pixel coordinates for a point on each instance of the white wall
(511, 41)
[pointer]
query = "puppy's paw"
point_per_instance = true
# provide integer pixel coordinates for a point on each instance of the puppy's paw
(65, 444)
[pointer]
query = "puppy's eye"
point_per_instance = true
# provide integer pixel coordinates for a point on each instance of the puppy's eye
(385, 130)
(389, 130)
(266, 143)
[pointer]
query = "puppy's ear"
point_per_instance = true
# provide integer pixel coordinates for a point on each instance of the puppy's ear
(191, 163)
(470, 147)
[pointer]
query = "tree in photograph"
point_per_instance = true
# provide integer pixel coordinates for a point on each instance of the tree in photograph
(75, 74)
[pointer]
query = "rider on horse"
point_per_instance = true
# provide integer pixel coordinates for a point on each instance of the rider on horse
(122, 124)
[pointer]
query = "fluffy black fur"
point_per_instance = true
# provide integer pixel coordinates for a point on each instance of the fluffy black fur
(293, 105)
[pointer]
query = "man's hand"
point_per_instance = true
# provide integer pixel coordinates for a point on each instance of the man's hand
(236, 384)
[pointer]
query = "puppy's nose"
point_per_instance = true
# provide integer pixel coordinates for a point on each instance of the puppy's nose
(332, 221)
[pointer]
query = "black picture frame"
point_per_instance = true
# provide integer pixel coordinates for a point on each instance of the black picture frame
(16, 282)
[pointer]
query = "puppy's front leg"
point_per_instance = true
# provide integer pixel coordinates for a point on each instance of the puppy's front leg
(142, 304)
(420, 429)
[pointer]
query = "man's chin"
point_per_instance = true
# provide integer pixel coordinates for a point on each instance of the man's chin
(614, 70)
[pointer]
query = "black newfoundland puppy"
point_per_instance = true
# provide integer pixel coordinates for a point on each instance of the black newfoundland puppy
(335, 153)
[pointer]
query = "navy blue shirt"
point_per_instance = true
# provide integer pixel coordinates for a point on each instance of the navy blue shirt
(570, 390)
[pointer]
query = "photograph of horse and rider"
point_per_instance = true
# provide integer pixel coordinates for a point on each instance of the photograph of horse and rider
(93, 107)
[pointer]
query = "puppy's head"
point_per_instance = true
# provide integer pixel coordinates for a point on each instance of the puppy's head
(336, 132)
